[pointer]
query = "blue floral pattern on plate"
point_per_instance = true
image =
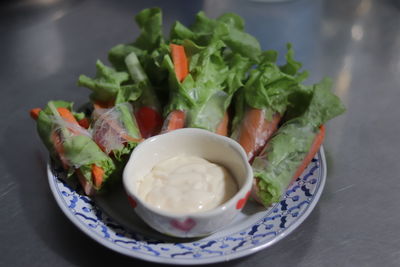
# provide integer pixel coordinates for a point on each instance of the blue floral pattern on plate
(255, 232)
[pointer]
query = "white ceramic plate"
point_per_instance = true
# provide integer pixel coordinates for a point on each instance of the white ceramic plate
(111, 221)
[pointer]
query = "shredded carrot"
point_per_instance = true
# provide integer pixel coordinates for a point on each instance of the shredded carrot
(35, 113)
(180, 61)
(256, 130)
(222, 128)
(318, 140)
(97, 175)
(175, 120)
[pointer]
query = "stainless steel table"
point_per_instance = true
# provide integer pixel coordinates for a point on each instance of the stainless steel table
(46, 44)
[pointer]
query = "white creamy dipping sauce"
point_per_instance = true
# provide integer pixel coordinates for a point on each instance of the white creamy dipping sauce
(186, 184)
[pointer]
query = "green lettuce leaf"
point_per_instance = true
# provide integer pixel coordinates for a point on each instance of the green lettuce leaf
(145, 57)
(81, 151)
(180, 32)
(285, 151)
(148, 96)
(228, 28)
(118, 53)
(292, 66)
(128, 93)
(323, 106)
(232, 20)
(238, 68)
(106, 84)
(150, 24)
(128, 120)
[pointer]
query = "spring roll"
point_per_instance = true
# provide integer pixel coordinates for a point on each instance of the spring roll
(275, 167)
(73, 146)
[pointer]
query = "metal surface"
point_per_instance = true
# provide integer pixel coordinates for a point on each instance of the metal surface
(46, 44)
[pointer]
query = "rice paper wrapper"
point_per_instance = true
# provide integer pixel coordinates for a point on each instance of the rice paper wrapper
(116, 131)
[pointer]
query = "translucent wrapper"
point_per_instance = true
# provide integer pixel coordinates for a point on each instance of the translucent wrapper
(76, 149)
(175, 120)
(63, 132)
(72, 144)
(210, 114)
(115, 130)
(97, 112)
(255, 130)
(300, 137)
(276, 165)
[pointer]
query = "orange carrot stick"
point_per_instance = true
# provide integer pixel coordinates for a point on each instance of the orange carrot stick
(97, 175)
(67, 115)
(176, 120)
(222, 128)
(256, 130)
(318, 140)
(35, 113)
(180, 61)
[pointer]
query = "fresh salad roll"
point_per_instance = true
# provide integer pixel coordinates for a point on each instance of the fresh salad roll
(73, 146)
(263, 100)
(211, 75)
(295, 143)
(207, 64)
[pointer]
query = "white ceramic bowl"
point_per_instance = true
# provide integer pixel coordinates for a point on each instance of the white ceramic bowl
(215, 148)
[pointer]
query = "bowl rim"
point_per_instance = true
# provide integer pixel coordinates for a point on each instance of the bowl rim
(242, 192)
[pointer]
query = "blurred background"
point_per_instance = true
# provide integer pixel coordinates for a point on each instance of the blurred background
(46, 44)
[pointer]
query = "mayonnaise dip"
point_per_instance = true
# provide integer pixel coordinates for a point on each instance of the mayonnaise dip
(186, 184)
